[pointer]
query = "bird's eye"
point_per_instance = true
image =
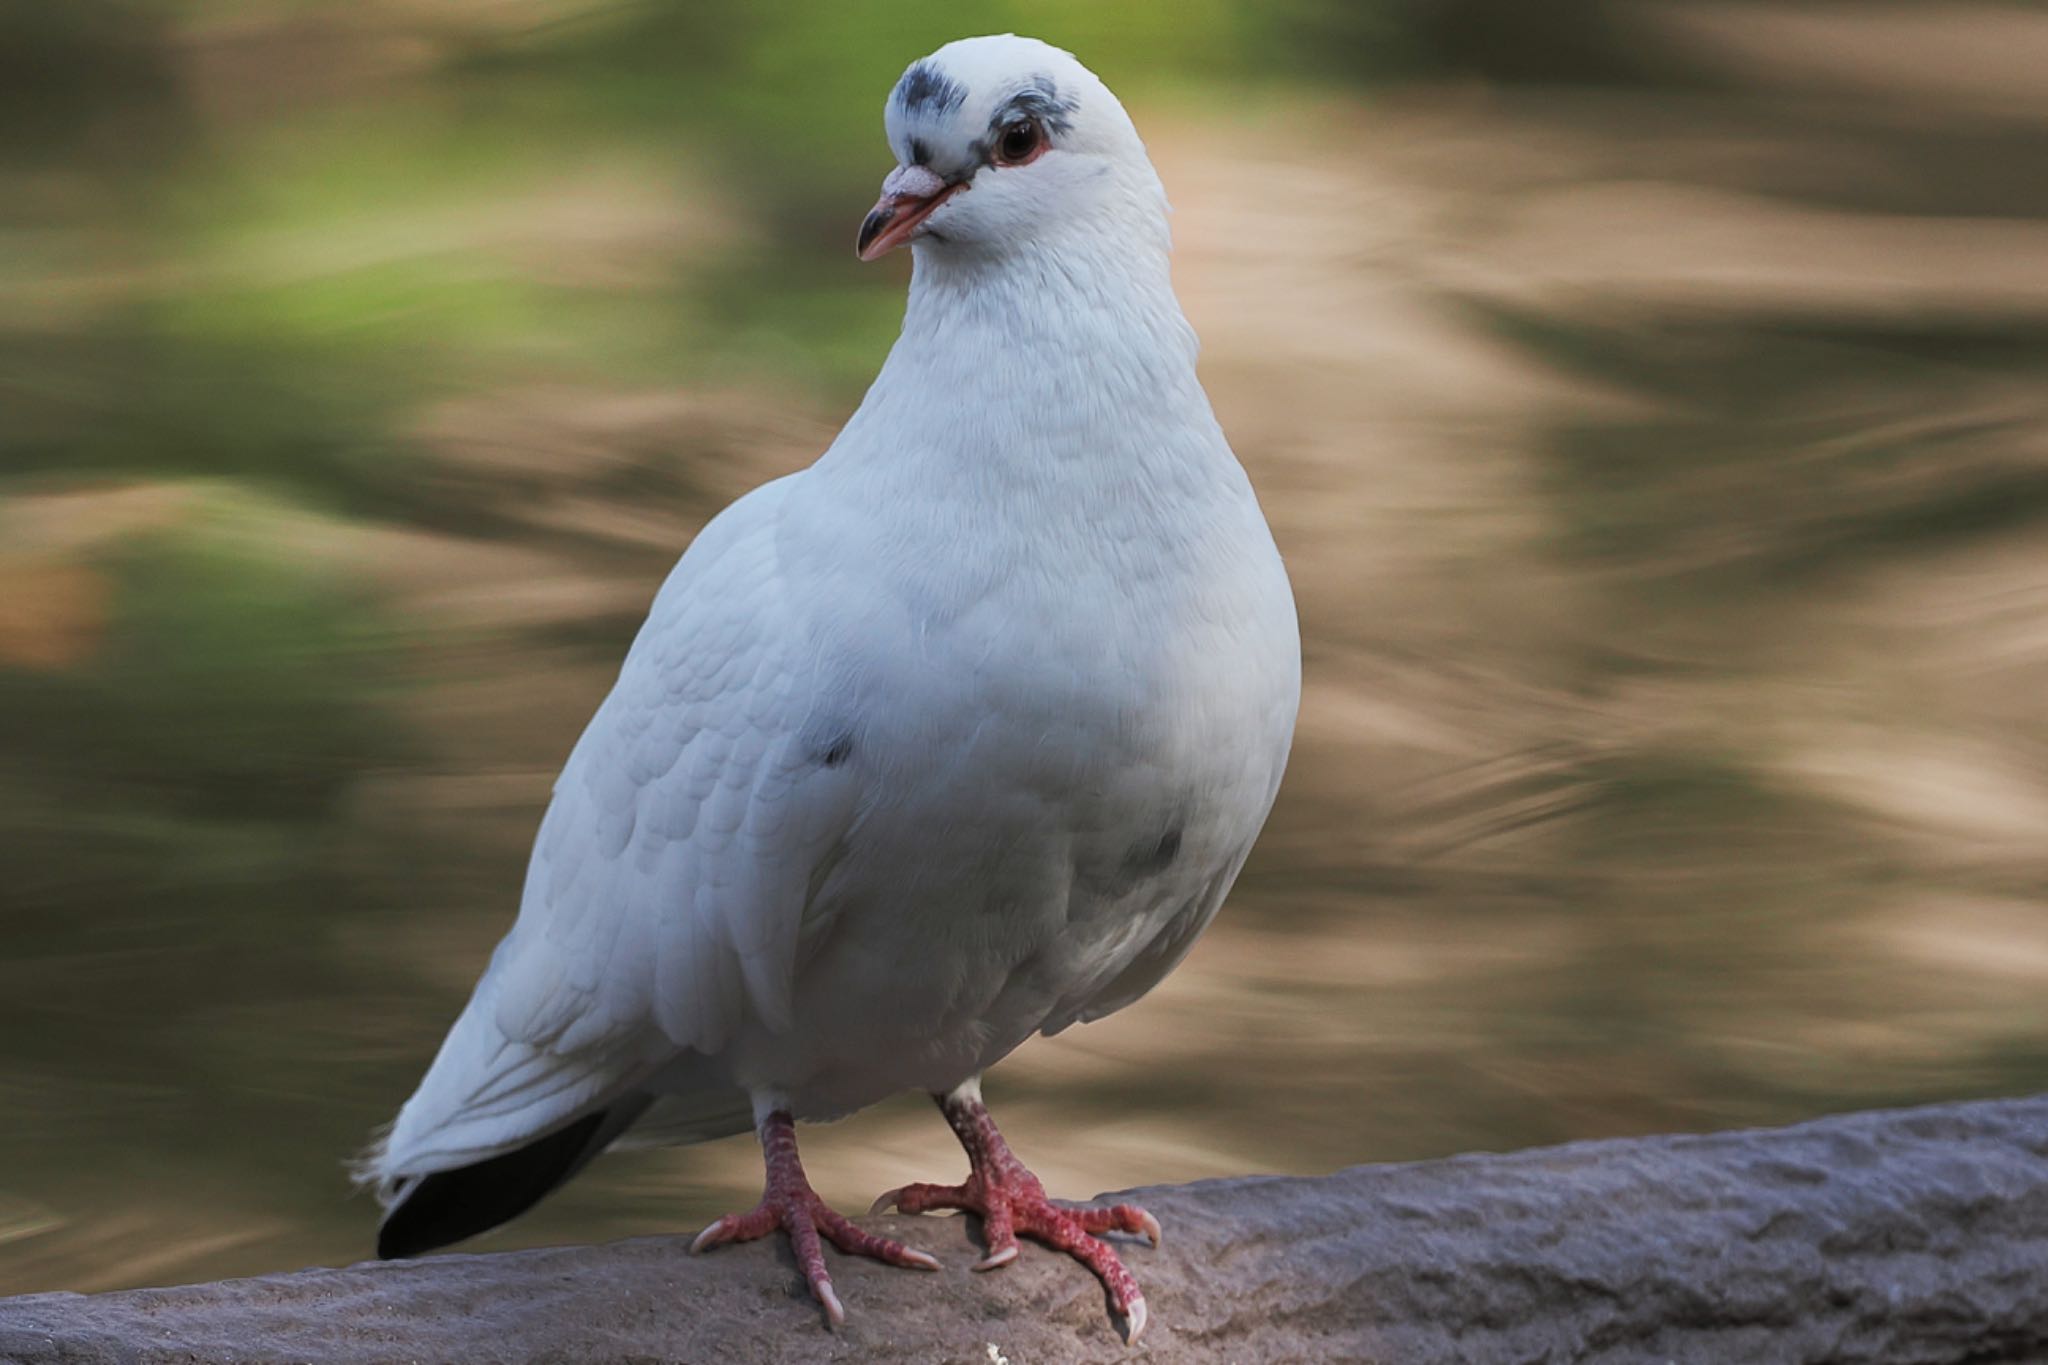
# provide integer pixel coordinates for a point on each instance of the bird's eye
(1019, 142)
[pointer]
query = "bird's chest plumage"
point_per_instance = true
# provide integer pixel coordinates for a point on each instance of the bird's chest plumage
(1065, 750)
(1088, 692)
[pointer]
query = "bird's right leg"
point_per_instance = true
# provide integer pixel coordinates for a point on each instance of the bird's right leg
(788, 1202)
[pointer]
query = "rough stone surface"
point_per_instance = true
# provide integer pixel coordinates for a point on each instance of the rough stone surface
(1910, 1236)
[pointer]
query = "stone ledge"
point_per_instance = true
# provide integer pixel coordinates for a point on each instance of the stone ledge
(1915, 1235)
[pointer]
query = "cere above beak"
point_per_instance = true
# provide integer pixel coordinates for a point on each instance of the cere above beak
(909, 196)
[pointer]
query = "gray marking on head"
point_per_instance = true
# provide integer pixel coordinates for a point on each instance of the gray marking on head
(1040, 100)
(928, 91)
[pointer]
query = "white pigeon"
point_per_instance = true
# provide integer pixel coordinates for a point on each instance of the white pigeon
(958, 736)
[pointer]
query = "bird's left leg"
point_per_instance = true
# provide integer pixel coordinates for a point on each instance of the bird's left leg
(1010, 1201)
(788, 1202)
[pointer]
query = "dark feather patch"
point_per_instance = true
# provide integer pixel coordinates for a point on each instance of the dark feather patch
(448, 1206)
(827, 739)
(927, 90)
(1150, 859)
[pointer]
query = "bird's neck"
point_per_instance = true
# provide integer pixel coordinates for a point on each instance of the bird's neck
(1080, 302)
(1050, 354)
(1039, 417)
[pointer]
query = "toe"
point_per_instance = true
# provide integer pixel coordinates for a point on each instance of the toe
(857, 1241)
(1063, 1231)
(927, 1198)
(801, 1224)
(1129, 1218)
(738, 1228)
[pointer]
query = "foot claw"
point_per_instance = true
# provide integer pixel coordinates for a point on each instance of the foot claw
(996, 1260)
(885, 1201)
(835, 1313)
(1135, 1318)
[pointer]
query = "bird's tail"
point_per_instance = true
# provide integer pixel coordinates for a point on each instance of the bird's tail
(494, 1125)
(423, 1212)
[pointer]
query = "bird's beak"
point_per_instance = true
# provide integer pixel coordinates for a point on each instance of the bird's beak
(909, 196)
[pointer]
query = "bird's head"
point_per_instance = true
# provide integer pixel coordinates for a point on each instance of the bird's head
(1003, 141)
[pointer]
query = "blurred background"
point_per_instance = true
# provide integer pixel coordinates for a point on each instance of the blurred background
(1647, 394)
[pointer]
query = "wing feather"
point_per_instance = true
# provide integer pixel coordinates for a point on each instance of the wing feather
(671, 874)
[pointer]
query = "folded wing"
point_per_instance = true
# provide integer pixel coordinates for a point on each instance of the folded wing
(671, 875)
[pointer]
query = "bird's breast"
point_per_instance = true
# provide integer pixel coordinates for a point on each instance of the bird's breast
(1063, 750)
(1078, 730)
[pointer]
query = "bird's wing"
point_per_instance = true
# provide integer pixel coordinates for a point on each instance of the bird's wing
(669, 880)
(670, 875)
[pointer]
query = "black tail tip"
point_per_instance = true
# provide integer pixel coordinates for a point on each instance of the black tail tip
(449, 1206)
(394, 1246)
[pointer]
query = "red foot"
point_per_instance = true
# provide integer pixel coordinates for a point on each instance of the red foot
(1010, 1200)
(788, 1202)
